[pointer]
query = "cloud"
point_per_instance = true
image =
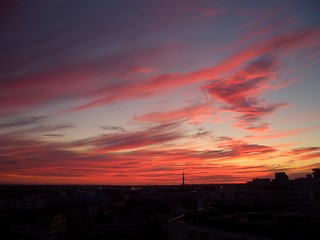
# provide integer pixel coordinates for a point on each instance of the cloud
(239, 93)
(236, 148)
(83, 79)
(75, 57)
(113, 58)
(131, 140)
(276, 134)
(305, 153)
(113, 128)
(52, 135)
(105, 157)
(203, 133)
(69, 61)
(123, 153)
(194, 114)
(257, 74)
(131, 69)
(23, 122)
(263, 24)
(51, 127)
(38, 129)
(223, 138)
(305, 150)
(30, 126)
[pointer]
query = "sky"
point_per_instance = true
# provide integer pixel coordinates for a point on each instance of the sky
(137, 92)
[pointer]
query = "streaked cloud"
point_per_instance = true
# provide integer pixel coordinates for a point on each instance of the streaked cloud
(120, 92)
(113, 128)
(131, 140)
(194, 114)
(52, 135)
(23, 122)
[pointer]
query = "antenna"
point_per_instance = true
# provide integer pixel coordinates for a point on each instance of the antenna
(183, 179)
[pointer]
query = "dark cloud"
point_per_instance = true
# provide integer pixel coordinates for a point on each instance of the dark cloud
(305, 150)
(23, 121)
(52, 127)
(203, 133)
(304, 153)
(113, 128)
(52, 135)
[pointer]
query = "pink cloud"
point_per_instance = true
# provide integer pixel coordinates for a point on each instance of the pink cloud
(239, 93)
(20, 156)
(259, 75)
(83, 81)
(132, 69)
(305, 150)
(264, 25)
(194, 114)
(302, 154)
(277, 134)
(131, 140)
(241, 148)
(305, 153)
(105, 158)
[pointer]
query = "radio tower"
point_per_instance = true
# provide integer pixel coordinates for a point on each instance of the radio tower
(183, 179)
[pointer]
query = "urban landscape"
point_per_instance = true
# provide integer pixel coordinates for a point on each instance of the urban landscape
(261, 209)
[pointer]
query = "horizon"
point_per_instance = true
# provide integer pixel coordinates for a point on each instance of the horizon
(150, 185)
(136, 92)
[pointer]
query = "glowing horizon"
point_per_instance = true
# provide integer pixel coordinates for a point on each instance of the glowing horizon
(136, 92)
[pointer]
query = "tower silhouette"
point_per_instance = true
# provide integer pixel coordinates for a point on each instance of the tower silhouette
(183, 179)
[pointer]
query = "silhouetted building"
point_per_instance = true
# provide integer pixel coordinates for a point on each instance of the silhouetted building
(316, 172)
(37, 225)
(183, 179)
(257, 210)
(281, 177)
(231, 224)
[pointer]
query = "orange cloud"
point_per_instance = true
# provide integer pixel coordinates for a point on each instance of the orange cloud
(126, 154)
(105, 158)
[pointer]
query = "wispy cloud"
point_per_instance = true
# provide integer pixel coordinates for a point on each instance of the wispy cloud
(203, 133)
(126, 154)
(305, 153)
(131, 140)
(52, 135)
(131, 69)
(239, 93)
(276, 134)
(23, 122)
(113, 128)
(32, 126)
(82, 80)
(194, 114)
(162, 77)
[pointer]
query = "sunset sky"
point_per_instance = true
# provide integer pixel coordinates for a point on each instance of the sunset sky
(136, 92)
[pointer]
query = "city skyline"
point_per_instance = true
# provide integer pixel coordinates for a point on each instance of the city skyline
(141, 92)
